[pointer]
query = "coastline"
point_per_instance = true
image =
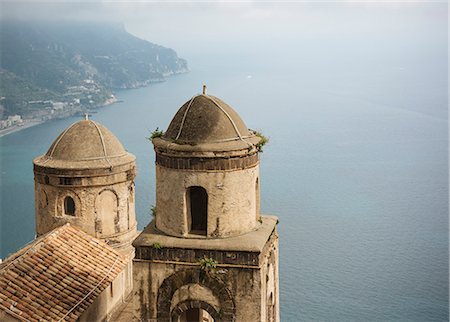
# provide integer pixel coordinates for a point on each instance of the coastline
(33, 122)
(16, 128)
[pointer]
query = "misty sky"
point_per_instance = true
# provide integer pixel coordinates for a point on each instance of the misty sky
(254, 27)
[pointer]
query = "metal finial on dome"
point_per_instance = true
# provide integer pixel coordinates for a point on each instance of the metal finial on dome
(204, 89)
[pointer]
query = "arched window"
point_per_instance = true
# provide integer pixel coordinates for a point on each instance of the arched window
(257, 199)
(69, 206)
(131, 192)
(195, 315)
(270, 309)
(197, 202)
(107, 212)
(43, 202)
(270, 289)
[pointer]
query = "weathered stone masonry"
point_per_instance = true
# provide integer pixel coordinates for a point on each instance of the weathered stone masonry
(207, 207)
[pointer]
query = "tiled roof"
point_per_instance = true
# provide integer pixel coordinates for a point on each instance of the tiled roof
(58, 276)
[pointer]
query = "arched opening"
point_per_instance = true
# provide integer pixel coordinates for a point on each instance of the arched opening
(195, 315)
(43, 200)
(270, 309)
(107, 212)
(194, 311)
(131, 193)
(270, 290)
(69, 206)
(257, 199)
(197, 204)
(130, 203)
(226, 309)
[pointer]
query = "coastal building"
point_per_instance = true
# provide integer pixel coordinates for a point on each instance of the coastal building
(208, 255)
(11, 121)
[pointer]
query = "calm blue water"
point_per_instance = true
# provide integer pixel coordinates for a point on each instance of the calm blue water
(356, 170)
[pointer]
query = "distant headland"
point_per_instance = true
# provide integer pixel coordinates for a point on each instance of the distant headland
(55, 70)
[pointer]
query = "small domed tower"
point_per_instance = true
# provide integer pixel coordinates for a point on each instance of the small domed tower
(209, 255)
(86, 178)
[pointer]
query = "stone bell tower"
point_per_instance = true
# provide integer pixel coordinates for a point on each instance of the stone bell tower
(86, 178)
(209, 255)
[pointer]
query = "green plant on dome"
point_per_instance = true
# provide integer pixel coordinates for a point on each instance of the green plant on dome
(263, 140)
(157, 133)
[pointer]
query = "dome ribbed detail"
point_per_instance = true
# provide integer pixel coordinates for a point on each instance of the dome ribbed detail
(85, 140)
(206, 119)
(85, 145)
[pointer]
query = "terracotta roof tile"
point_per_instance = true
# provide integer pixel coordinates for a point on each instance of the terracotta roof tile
(58, 276)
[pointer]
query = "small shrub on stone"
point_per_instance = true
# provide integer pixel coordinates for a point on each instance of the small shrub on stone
(153, 211)
(207, 264)
(263, 141)
(157, 133)
(157, 245)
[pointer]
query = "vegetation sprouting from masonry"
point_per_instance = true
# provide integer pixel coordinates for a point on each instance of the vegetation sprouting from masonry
(263, 141)
(157, 245)
(207, 264)
(157, 133)
(153, 211)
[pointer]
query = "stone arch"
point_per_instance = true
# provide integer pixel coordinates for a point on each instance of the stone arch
(197, 210)
(257, 199)
(184, 306)
(62, 200)
(69, 206)
(107, 210)
(271, 286)
(131, 192)
(172, 283)
(130, 205)
(270, 308)
(43, 199)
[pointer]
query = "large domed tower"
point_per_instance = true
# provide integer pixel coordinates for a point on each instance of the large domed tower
(209, 255)
(207, 172)
(86, 178)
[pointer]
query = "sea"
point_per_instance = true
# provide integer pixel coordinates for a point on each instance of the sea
(356, 169)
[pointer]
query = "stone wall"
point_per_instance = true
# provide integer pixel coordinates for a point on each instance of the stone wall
(241, 287)
(202, 164)
(104, 205)
(270, 286)
(232, 198)
(232, 292)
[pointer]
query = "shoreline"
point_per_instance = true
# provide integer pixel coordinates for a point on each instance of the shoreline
(16, 128)
(33, 122)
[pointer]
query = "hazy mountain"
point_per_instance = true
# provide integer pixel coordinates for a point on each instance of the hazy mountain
(51, 58)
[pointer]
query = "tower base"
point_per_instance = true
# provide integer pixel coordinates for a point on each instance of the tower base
(228, 279)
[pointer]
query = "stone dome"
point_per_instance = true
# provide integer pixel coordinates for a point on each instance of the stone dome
(206, 123)
(85, 144)
(205, 119)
